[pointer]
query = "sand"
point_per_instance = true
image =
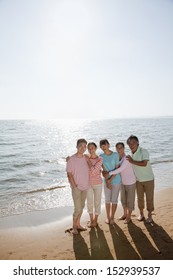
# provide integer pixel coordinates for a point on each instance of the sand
(38, 236)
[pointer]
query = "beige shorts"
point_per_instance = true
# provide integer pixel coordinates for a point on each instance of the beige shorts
(79, 198)
(128, 196)
(111, 196)
(146, 188)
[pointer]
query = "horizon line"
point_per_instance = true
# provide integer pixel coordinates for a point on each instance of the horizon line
(86, 118)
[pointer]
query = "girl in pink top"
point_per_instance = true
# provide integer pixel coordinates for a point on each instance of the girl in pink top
(128, 183)
(94, 192)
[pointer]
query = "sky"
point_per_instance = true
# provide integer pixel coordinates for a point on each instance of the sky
(86, 59)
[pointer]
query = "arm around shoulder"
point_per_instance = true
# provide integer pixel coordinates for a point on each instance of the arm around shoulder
(141, 163)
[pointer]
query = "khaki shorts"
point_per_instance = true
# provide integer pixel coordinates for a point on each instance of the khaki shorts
(128, 196)
(146, 188)
(111, 196)
(79, 198)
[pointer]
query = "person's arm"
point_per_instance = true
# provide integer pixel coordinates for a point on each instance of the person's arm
(119, 169)
(109, 180)
(71, 180)
(142, 163)
(88, 161)
(67, 158)
(104, 173)
(96, 167)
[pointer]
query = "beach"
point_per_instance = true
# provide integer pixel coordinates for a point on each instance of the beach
(44, 235)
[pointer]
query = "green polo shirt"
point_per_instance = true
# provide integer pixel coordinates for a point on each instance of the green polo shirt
(143, 173)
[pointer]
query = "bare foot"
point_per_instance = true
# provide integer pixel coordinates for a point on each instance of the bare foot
(81, 228)
(95, 224)
(127, 220)
(122, 217)
(74, 231)
(112, 222)
(107, 221)
(141, 218)
(90, 225)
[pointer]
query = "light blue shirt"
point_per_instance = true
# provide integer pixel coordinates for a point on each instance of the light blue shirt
(110, 162)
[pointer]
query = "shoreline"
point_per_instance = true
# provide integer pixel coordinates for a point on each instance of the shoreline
(48, 216)
(40, 235)
(36, 218)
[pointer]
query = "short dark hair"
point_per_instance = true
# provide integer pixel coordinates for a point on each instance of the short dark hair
(103, 142)
(132, 137)
(81, 141)
(92, 143)
(119, 143)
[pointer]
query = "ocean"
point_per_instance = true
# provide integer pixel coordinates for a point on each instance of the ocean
(33, 153)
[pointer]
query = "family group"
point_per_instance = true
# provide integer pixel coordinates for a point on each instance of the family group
(118, 173)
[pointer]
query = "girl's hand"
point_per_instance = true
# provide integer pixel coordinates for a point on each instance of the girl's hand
(105, 174)
(108, 185)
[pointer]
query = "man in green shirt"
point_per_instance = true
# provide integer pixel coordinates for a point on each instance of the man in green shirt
(144, 175)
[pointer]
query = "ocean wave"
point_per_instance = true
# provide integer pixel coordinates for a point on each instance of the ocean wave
(12, 180)
(43, 189)
(162, 161)
(19, 165)
(10, 155)
(10, 143)
(6, 169)
(51, 161)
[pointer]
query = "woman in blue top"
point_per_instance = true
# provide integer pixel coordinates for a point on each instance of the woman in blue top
(113, 183)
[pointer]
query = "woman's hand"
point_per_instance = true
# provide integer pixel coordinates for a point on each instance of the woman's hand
(108, 184)
(105, 174)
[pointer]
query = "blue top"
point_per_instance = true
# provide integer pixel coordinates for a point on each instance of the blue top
(109, 163)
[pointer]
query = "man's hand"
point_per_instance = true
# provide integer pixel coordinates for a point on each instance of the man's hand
(129, 158)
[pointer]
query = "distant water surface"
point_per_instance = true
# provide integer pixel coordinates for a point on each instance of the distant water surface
(33, 152)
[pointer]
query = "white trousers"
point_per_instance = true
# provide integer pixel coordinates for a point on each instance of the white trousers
(94, 195)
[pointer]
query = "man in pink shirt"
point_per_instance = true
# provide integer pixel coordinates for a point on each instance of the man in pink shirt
(78, 177)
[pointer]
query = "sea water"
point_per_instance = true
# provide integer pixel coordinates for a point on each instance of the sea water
(33, 156)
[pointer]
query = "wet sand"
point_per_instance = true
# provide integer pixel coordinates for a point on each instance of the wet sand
(42, 235)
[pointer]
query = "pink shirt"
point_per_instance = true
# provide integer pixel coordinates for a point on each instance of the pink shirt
(80, 171)
(126, 171)
(95, 171)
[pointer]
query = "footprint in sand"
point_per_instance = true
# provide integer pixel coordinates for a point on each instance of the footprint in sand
(44, 257)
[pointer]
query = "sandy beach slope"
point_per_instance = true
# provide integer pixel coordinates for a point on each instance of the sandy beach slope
(37, 236)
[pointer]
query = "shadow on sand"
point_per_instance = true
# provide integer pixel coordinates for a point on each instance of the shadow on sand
(98, 250)
(143, 245)
(162, 240)
(80, 248)
(99, 246)
(123, 249)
